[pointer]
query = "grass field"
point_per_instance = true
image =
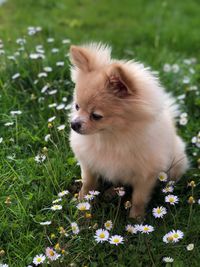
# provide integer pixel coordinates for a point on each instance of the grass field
(36, 161)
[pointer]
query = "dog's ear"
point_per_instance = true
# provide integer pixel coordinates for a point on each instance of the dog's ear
(119, 82)
(79, 57)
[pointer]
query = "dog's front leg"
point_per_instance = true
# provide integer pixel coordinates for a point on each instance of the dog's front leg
(89, 181)
(140, 196)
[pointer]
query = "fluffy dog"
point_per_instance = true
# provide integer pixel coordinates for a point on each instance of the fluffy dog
(123, 126)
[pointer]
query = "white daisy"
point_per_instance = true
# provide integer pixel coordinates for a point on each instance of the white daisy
(69, 106)
(53, 105)
(42, 75)
(120, 191)
(116, 240)
(168, 189)
(173, 236)
(60, 63)
(53, 92)
(101, 235)
(52, 119)
(56, 207)
(15, 112)
(54, 50)
(8, 123)
(12, 58)
(75, 228)
(15, 76)
(61, 127)
(146, 229)
(83, 206)
(168, 259)
(190, 247)
(94, 193)
(48, 69)
(47, 137)
(40, 158)
(66, 41)
(168, 238)
(3, 265)
(131, 229)
(177, 235)
(57, 200)
(52, 254)
(108, 225)
(64, 99)
(167, 67)
(159, 212)
(138, 227)
(60, 106)
(175, 68)
(89, 197)
(162, 176)
(183, 121)
(39, 259)
(63, 193)
(45, 223)
(186, 79)
(171, 199)
(21, 41)
(2, 52)
(44, 88)
(50, 40)
(35, 56)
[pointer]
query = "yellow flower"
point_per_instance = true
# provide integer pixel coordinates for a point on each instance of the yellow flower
(191, 200)
(127, 205)
(50, 125)
(61, 230)
(192, 184)
(57, 246)
(53, 236)
(2, 253)
(88, 215)
(170, 238)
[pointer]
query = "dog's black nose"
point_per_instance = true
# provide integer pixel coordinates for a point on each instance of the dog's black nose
(76, 125)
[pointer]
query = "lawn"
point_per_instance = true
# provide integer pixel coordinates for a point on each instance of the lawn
(36, 163)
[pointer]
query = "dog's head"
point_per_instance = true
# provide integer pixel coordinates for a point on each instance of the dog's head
(106, 96)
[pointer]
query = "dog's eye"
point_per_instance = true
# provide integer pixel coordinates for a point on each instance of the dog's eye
(96, 116)
(76, 106)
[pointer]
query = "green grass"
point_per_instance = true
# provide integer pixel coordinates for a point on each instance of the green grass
(153, 32)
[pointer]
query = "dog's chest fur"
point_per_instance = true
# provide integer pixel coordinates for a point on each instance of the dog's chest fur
(115, 160)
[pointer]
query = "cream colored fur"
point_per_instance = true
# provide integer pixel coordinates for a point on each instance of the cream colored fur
(136, 138)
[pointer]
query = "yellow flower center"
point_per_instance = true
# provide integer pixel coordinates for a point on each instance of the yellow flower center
(176, 235)
(82, 208)
(158, 211)
(146, 228)
(170, 238)
(102, 235)
(39, 259)
(116, 240)
(171, 199)
(51, 253)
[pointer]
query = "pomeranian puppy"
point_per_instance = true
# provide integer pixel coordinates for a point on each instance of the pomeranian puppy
(123, 126)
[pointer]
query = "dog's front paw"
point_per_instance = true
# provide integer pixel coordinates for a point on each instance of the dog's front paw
(137, 213)
(82, 193)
